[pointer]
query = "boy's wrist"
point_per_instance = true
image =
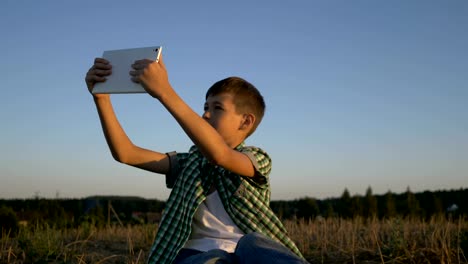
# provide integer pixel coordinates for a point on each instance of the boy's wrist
(101, 97)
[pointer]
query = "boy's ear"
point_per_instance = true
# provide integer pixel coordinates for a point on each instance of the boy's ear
(247, 121)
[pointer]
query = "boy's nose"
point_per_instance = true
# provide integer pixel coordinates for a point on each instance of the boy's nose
(206, 115)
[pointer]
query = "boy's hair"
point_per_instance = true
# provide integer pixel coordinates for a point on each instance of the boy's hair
(247, 98)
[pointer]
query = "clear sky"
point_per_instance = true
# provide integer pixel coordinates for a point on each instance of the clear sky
(358, 93)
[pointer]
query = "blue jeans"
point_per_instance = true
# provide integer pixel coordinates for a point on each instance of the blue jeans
(252, 248)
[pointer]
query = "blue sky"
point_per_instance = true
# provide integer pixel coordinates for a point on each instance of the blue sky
(358, 93)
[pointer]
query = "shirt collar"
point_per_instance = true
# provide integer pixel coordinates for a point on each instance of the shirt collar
(240, 146)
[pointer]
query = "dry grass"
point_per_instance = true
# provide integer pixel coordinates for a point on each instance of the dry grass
(322, 241)
(381, 241)
(82, 245)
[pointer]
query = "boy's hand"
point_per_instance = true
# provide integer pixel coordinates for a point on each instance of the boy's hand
(97, 73)
(152, 76)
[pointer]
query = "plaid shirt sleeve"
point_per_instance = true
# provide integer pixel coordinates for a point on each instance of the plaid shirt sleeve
(262, 164)
(177, 162)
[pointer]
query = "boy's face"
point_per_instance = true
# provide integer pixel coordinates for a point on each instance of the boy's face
(220, 112)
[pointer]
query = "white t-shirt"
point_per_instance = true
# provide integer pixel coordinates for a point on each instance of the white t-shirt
(212, 227)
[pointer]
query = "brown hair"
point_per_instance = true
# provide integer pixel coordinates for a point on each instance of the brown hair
(247, 98)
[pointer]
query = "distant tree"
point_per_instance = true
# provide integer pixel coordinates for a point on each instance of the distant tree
(437, 205)
(370, 204)
(156, 206)
(390, 207)
(329, 211)
(8, 221)
(345, 209)
(307, 208)
(430, 204)
(94, 217)
(413, 208)
(357, 208)
(283, 209)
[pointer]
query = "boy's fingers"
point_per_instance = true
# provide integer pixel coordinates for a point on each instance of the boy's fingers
(102, 72)
(92, 75)
(99, 72)
(102, 66)
(91, 80)
(141, 64)
(99, 79)
(101, 60)
(138, 66)
(143, 61)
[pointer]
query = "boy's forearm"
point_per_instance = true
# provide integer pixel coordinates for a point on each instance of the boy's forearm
(153, 77)
(207, 139)
(121, 147)
(116, 138)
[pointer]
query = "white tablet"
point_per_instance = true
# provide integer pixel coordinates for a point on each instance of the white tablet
(121, 60)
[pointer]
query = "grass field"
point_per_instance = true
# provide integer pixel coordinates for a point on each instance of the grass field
(322, 241)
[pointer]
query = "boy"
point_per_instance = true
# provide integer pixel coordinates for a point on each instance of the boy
(218, 210)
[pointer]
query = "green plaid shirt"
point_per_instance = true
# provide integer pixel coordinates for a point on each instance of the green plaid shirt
(245, 199)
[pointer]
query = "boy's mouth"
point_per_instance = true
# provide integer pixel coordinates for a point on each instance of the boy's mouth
(208, 121)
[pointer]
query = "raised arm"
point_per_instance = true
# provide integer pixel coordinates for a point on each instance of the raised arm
(121, 147)
(153, 77)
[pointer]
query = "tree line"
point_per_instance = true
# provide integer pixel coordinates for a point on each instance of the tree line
(102, 210)
(67, 213)
(422, 205)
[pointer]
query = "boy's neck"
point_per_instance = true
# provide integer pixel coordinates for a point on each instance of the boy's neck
(236, 143)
